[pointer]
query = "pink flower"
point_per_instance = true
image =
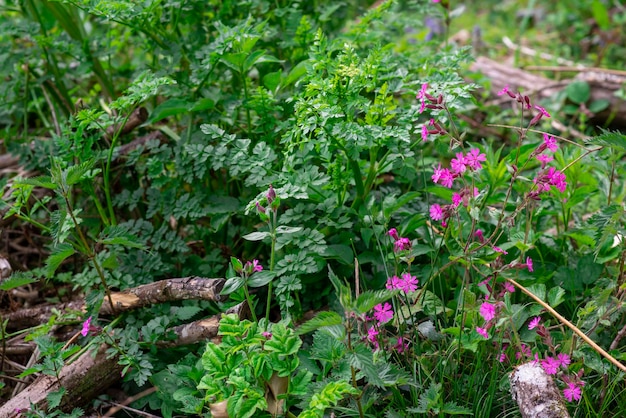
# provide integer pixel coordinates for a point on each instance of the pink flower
(524, 351)
(502, 358)
(424, 133)
(543, 111)
(401, 345)
(504, 90)
(479, 234)
(499, 250)
(447, 178)
(529, 264)
(393, 283)
(85, 329)
(474, 158)
(401, 244)
(458, 164)
(557, 179)
(456, 199)
(435, 212)
(371, 336)
(544, 159)
(422, 96)
(437, 174)
(550, 142)
(534, 322)
(550, 365)
(383, 313)
(487, 311)
(482, 332)
(393, 233)
(509, 287)
(564, 359)
(572, 392)
(409, 283)
(267, 334)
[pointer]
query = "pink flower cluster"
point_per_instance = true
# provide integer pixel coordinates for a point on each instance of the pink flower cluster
(444, 176)
(405, 283)
(400, 243)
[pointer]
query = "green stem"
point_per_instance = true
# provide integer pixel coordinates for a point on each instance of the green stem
(273, 224)
(245, 95)
(107, 169)
(249, 300)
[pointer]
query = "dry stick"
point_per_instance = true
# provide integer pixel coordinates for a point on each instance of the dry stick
(119, 406)
(570, 325)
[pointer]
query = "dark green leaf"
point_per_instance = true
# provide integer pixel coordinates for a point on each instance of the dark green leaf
(232, 285)
(578, 92)
(261, 278)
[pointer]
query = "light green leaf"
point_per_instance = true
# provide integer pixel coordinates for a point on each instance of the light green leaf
(322, 319)
(256, 236)
(58, 255)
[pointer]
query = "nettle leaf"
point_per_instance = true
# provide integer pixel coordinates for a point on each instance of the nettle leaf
(80, 172)
(54, 398)
(367, 300)
(16, 280)
(327, 347)
(362, 358)
(119, 235)
(328, 396)
(59, 254)
(183, 313)
(40, 181)
(612, 139)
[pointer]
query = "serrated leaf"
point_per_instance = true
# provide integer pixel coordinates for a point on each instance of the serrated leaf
(79, 172)
(54, 398)
(184, 313)
(609, 139)
(58, 255)
(367, 300)
(16, 280)
(118, 235)
(362, 359)
(40, 181)
(322, 319)
(283, 342)
(256, 236)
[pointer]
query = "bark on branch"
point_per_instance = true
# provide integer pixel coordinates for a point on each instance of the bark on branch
(89, 376)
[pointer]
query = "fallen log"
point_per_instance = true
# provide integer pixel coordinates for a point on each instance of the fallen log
(603, 86)
(90, 375)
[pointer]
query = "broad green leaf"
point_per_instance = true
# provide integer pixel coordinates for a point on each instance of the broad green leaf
(288, 229)
(39, 181)
(171, 107)
(578, 91)
(538, 290)
(556, 296)
(256, 236)
(261, 278)
(232, 284)
(54, 398)
(601, 14)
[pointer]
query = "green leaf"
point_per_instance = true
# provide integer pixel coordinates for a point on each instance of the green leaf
(119, 235)
(284, 341)
(80, 172)
(184, 313)
(40, 181)
(54, 398)
(609, 139)
(322, 319)
(599, 105)
(261, 278)
(601, 14)
(362, 358)
(236, 263)
(556, 296)
(538, 290)
(58, 255)
(232, 284)
(256, 236)
(288, 229)
(367, 300)
(272, 80)
(340, 252)
(16, 280)
(171, 107)
(578, 91)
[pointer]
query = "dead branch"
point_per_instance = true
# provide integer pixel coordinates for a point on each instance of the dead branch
(603, 86)
(199, 288)
(89, 376)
